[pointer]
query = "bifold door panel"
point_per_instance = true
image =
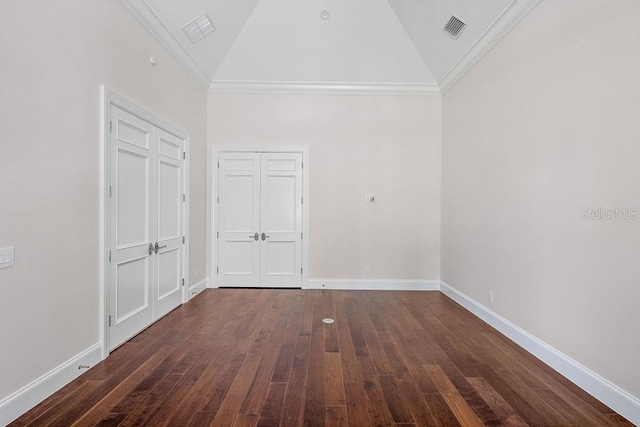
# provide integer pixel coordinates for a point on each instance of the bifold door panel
(146, 224)
(260, 219)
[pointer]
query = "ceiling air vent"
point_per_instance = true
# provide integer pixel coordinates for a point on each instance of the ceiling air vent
(454, 27)
(199, 28)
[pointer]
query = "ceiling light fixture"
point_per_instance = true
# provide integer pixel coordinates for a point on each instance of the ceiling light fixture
(199, 28)
(324, 15)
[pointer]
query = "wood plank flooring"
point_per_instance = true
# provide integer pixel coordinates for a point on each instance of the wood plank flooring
(261, 357)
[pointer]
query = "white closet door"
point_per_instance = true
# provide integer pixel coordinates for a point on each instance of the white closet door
(239, 219)
(131, 227)
(281, 220)
(168, 173)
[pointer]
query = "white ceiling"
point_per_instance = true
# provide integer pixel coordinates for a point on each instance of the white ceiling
(393, 46)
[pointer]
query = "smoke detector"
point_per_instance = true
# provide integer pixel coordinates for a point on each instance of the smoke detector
(454, 27)
(199, 28)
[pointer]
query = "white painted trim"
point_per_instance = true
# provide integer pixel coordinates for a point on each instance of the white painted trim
(159, 30)
(374, 285)
(304, 149)
(512, 15)
(108, 98)
(18, 403)
(325, 88)
(198, 287)
(617, 399)
(186, 179)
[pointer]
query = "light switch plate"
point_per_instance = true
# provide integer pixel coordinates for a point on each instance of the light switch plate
(7, 257)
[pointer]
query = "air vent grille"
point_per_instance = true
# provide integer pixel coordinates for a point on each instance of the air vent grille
(454, 27)
(199, 28)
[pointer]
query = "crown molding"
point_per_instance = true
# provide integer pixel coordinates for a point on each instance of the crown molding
(154, 25)
(500, 28)
(518, 9)
(325, 88)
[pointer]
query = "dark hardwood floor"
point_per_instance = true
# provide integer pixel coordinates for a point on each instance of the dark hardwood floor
(246, 357)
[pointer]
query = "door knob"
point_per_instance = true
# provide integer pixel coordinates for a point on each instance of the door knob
(150, 248)
(264, 236)
(256, 236)
(159, 247)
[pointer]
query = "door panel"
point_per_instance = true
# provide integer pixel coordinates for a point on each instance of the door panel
(169, 199)
(169, 277)
(132, 220)
(130, 269)
(239, 219)
(132, 284)
(281, 220)
(169, 232)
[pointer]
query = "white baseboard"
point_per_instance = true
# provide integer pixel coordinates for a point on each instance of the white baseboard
(374, 285)
(617, 399)
(29, 396)
(198, 287)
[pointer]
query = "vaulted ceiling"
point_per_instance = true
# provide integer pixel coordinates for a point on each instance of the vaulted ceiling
(390, 46)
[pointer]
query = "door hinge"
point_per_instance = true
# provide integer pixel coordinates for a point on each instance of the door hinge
(302, 165)
(109, 320)
(302, 200)
(183, 281)
(183, 240)
(300, 270)
(184, 197)
(109, 256)
(110, 127)
(217, 234)
(217, 270)
(218, 165)
(302, 235)
(218, 199)
(109, 191)
(184, 155)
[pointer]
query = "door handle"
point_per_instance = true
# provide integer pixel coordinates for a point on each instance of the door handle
(159, 247)
(264, 237)
(256, 236)
(150, 248)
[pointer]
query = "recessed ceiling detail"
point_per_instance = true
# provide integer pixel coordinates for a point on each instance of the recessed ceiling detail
(199, 28)
(367, 46)
(454, 27)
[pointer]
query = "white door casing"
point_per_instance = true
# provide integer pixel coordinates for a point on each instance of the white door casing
(143, 205)
(259, 193)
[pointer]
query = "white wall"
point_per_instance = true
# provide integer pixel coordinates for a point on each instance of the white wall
(55, 56)
(544, 126)
(389, 146)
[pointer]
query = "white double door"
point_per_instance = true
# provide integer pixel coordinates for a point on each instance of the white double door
(146, 226)
(260, 220)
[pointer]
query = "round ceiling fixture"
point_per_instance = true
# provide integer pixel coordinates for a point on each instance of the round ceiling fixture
(328, 320)
(324, 14)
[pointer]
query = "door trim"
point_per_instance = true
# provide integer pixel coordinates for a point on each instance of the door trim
(108, 98)
(213, 247)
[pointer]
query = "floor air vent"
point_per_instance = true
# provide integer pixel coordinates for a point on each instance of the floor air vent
(454, 27)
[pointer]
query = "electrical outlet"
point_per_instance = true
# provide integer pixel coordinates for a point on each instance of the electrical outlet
(7, 257)
(490, 296)
(369, 198)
